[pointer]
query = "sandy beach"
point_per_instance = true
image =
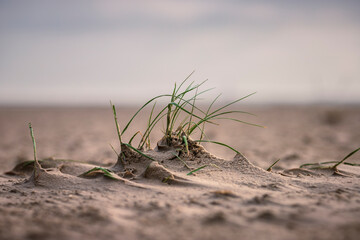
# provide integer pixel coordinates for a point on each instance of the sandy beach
(233, 197)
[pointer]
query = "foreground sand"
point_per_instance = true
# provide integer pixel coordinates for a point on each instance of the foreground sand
(238, 200)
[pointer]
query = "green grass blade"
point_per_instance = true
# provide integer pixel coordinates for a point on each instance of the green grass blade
(191, 172)
(188, 101)
(132, 138)
(151, 113)
(116, 122)
(207, 113)
(114, 150)
(138, 151)
(190, 88)
(347, 156)
(185, 81)
(179, 98)
(229, 112)
(231, 103)
(195, 125)
(187, 166)
(143, 106)
(317, 164)
(183, 102)
(183, 109)
(168, 115)
(237, 120)
(191, 115)
(351, 164)
(106, 172)
(216, 116)
(219, 143)
(271, 166)
(186, 144)
(33, 142)
(150, 127)
(328, 162)
(149, 124)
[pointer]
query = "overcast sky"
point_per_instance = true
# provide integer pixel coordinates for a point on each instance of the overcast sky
(88, 52)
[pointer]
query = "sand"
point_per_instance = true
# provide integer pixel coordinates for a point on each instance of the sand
(234, 197)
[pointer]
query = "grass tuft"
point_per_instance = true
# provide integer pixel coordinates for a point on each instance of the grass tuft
(183, 118)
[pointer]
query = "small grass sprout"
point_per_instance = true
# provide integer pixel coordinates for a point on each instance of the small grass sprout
(36, 162)
(204, 166)
(269, 169)
(334, 167)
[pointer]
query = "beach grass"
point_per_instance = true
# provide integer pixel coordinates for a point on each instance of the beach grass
(272, 165)
(183, 117)
(331, 164)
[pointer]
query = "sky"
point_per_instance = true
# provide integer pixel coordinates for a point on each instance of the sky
(83, 52)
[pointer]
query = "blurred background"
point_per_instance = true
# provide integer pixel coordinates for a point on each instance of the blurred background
(88, 52)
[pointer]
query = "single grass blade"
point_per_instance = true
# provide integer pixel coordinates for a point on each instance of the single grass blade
(33, 141)
(37, 164)
(187, 166)
(229, 112)
(114, 149)
(219, 143)
(138, 151)
(168, 115)
(189, 89)
(325, 163)
(351, 164)
(132, 138)
(186, 144)
(347, 156)
(106, 172)
(207, 113)
(185, 80)
(191, 172)
(116, 122)
(151, 127)
(191, 115)
(198, 127)
(237, 120)
(216, 116)
(270, 168)
(149, 124)
(231, 103)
